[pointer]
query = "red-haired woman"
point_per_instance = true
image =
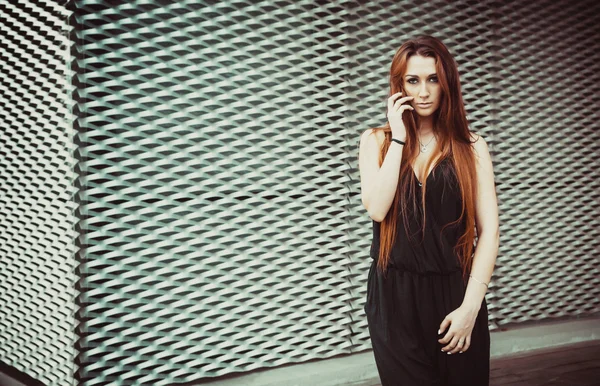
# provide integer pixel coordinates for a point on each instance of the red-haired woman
(427, 183)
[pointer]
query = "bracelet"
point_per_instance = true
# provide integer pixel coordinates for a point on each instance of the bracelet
(471, 276)
(398, 141)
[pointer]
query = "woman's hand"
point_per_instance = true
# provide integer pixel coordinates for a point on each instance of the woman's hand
(394, 115)
(458, 337)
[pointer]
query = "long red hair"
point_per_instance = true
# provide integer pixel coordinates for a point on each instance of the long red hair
(454, 141)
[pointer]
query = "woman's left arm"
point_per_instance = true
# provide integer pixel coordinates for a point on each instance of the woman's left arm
(462, 320)
(486, 219)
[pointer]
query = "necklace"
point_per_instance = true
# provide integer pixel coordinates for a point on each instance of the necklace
(424, 147)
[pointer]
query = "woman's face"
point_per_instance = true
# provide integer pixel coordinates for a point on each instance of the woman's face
(421, 82)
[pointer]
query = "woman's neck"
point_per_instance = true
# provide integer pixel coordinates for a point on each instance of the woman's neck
(426, 127)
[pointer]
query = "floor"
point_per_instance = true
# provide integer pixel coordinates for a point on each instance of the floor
(5, 380)
(573, 365)
(569, 365)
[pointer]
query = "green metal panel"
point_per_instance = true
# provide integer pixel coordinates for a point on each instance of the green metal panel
(221, 228)
(37, 249)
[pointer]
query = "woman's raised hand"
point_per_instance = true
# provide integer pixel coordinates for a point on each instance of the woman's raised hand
(394, 115)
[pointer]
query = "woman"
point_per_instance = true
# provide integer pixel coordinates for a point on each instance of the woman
(427, 182)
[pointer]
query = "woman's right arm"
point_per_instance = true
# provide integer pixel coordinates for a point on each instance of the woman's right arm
(378, 185)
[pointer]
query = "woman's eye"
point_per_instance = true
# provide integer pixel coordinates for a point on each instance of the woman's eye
(415, 81)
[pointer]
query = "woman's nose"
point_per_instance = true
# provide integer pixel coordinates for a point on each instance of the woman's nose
(423, 91)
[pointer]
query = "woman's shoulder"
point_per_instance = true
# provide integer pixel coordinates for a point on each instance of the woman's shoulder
(480, 145)
(474, 136)
(477, 140)
(377, 132)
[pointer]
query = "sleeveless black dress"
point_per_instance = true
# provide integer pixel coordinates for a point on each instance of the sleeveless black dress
(424, 283)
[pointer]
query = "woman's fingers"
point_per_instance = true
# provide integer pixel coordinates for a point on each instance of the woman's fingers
(457, 345)
(467, 344)
(394, 104)
(450, 346)
(391, 100)
(405, 107)
(394, 115)
(400, 102)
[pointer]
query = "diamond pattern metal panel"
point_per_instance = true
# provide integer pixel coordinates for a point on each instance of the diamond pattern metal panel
(225, 231)
(530, 83)
(220, 203)
(375, 31)
(215, 185)
(547, 146)
(37, 247)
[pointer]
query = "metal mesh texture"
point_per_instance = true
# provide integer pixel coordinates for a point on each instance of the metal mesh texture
(546, 148)
(216, 187)
(531, 83)
(222, 229)
(37, 263)
(222, 181)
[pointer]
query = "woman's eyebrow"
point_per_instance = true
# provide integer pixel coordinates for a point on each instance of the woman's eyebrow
(416, 76)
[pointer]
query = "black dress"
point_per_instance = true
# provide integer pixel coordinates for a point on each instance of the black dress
(424, 283)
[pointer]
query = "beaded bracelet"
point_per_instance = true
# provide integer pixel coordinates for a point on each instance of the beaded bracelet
(471, 276)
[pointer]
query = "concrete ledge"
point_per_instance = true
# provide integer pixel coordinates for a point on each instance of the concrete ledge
(543, 335)
(356, 370)
(360, 369)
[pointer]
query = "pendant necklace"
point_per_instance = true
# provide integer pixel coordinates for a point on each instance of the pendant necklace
(424, 147)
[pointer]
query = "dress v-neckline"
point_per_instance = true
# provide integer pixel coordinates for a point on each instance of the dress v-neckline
(428, 175)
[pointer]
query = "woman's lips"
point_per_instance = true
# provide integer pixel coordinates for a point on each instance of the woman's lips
(424, 105)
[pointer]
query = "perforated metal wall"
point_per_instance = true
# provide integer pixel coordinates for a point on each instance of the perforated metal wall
(223, 176)
(530, 76)
(216, 185)
(222, 229)
(37, 277)
(547, 155)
